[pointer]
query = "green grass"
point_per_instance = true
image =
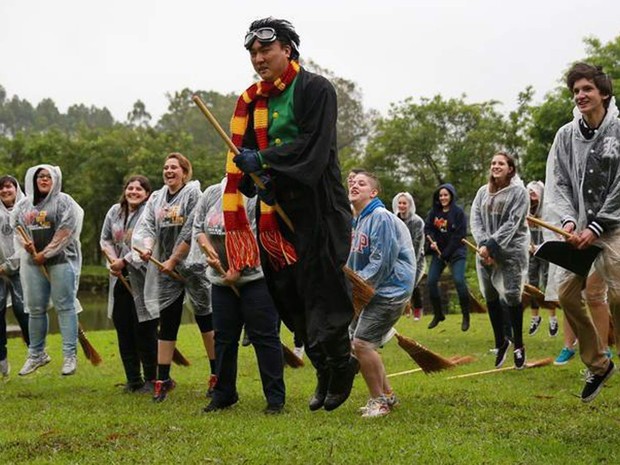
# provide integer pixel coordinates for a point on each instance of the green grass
(509, 417)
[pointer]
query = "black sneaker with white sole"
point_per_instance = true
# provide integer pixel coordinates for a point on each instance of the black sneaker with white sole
(594, 383)
(520, 358)
(501, 353)
(534, 325)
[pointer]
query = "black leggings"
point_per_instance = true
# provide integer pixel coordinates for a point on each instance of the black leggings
(170, 320)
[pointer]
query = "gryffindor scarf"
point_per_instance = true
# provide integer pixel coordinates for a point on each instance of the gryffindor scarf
(241, 247)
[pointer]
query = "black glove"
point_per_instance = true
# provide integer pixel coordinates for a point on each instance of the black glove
(268, 194)
(246, 186)
(248, 161)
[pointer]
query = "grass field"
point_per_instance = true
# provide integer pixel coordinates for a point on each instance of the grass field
(527, 417)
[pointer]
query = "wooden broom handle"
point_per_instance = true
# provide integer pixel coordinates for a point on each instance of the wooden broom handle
(27, 239)
(121, 277)
(205, 111)
(470, 245)
(160, 265)
(548, 226)
(430, 239)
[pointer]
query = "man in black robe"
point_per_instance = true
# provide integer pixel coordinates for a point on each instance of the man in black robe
(312, 295)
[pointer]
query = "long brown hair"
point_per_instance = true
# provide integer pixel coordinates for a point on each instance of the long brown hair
(494, 186)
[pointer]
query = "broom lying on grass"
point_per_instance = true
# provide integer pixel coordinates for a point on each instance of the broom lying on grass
(535, 364)
(89, 351)
(456, 360)
(290, 358)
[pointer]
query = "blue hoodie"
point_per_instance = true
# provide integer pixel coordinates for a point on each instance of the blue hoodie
(382, 252)
(447, 228)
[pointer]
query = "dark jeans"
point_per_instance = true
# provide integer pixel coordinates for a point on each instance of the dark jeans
(458, 276)
(137, 342)
(11, 284)
(254, 309)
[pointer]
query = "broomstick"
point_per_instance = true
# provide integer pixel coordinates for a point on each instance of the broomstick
(456, 359)
(470, 245)
(33, 251)
(89, 351)
(538, 363)
(550, 227)
(536, 293)
(216, 125)
(213, 256)
(434, 244)
(290, 358)
(476, 305)
(428, 360)
(179, 358)
(120, 277)
(362, 291)
(160, 265)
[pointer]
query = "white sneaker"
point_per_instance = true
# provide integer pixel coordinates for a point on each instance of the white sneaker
(33, 362)
(299, 352)
(69, 365)
(5, 368)
(377, 407)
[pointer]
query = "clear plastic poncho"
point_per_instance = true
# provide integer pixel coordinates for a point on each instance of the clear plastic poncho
(497, 220)
(116, 241)
(415, 224)
(581, 172)
(164, 224)
(209, 219)
(54, 225)
(9, 260)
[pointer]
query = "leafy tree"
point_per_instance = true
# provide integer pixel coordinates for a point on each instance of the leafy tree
(138, 116)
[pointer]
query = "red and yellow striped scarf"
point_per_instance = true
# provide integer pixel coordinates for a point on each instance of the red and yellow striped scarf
(241, 247)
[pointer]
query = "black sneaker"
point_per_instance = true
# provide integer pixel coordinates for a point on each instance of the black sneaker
(520, 358)
(273, 409)
(216, 406)
(534, 325)
(436, 320)
(553, 327)
(501, 353)
(594, 383)
(162, 388)
(465, 322)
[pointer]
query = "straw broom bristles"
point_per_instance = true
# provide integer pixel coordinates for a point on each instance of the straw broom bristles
(89, 351)
(476, 305)
(290, 358)
(179, 358)
(362, 291)
(428, 360)
(536, 364)
(456, 360)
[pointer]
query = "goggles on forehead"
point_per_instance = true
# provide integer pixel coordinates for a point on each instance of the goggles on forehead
(262, 34)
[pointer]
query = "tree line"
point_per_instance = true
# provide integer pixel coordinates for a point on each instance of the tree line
(419, 144)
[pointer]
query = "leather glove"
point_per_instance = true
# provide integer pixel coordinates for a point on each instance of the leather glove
(248, 160)
(246, 186)
(268, 194)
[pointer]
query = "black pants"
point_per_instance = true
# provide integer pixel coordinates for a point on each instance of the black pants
(254, 309)
(137, 342)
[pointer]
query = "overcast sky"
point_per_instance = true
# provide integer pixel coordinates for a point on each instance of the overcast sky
(111, 53)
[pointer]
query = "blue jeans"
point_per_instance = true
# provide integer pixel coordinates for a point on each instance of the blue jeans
(11, 284)
(255, 309)
(458, 276)
(62, 288)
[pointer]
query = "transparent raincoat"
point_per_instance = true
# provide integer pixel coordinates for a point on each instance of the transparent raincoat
(583, 186)
(209, 219)
(415, 224)
(54, 225)
(116, 241)
(164, 224)
(9, 260)
(497, 221)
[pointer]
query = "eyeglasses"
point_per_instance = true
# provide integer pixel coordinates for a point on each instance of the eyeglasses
(44, 176)
(263, 34)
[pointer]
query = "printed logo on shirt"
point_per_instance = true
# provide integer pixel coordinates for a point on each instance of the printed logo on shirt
(37, 220)
(441, 224)
(359, 242)
(171, 216)
(6, 229)
(215, 223)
